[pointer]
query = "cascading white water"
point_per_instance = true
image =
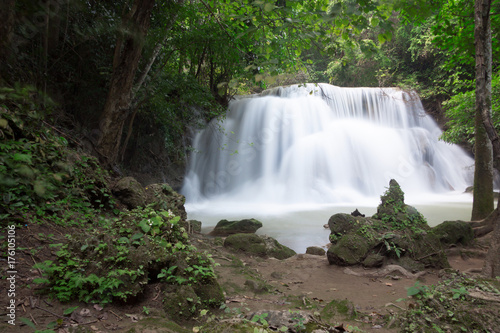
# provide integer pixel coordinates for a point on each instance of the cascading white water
(322, 144)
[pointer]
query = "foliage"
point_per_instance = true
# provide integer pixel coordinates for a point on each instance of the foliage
(446, 306)
(460, 110)
(40, 179)
(117, 260)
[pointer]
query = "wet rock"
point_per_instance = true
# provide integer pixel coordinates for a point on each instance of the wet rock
(245, 226)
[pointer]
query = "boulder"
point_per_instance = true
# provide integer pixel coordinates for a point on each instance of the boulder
(351, 249)
(374, 260)
(245, 226)
(341, 224)
(259, 245)
(192, 226)
(454, 232)
(315, 250)
(129, 192)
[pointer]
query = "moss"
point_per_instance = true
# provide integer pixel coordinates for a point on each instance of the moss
(210, 293)
(262, 246)
(350, 250)
(158, 325)
(454, 232)
(338, 310)
(180, 302)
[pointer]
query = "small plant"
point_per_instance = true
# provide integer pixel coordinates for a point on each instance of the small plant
(146, 310)
(260, 318)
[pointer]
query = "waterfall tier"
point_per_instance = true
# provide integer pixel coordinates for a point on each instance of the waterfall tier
(322, 144)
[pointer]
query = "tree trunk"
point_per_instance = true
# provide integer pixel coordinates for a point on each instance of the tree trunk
(483, 201)
(7, 20)
(120, 92)
(482, 40)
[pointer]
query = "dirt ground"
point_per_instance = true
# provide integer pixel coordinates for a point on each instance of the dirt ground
(303, 282)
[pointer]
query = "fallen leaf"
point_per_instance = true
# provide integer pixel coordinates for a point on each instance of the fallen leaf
(388, 284)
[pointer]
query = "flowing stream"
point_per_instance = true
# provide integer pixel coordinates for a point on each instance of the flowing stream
(294, 156)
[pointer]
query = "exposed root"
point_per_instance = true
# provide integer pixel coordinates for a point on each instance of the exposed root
(387, 270)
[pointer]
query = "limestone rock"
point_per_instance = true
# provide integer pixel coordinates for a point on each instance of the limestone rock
(245, 226)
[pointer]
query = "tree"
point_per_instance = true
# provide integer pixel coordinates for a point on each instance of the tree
(6, 26)
(128, 51)
(483, 48)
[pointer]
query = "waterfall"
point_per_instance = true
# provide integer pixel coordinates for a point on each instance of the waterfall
(322, 144)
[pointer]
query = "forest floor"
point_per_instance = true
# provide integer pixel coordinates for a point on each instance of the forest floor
(301, 283)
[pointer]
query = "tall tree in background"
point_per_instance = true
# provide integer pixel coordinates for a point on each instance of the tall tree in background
(128, 52)
(7, 21)
(482, 40)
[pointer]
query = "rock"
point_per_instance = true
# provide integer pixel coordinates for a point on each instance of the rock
(351, 249)
(280, 318)
(341, 224)
(357, 213)
(337, 311)
(245, 226)
(454, 232)
(394, 212)
(180, 302)
(262, 246)
(374, 260)
(257, 287)
(162, 196)
(129, 192)
(192, 226)
(315, 250)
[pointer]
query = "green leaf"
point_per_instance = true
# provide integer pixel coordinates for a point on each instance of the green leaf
(28, 322)
(22, 158)
(268, 7)
(144, 225)
(69, 311)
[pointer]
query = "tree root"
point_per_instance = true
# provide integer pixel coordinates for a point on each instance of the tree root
(483, 295)
(386, 271)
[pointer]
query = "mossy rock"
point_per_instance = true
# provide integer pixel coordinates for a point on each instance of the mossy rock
(157, 325)
(245, 226)
(210, 293)
(374, 260)
(338, 310)
(181, 302)
(262, 246)
(454, 232)
(316, 251)
(427, 249)
(341, 224)
(130, 192)
(351, 249)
